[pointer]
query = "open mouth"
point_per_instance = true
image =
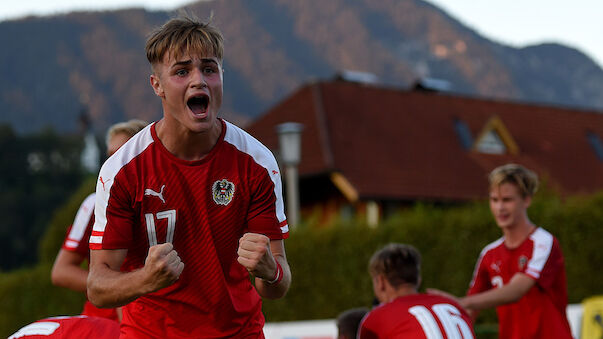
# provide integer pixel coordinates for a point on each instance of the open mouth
(198, 104)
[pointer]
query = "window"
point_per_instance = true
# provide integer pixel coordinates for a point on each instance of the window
(491, 143)
(495, 138)
(463, 133)
(596, 144)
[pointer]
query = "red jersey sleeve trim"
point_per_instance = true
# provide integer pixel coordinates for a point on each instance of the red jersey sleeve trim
(96, 240)
(70, 244)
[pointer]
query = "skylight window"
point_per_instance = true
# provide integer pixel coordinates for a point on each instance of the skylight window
(596, 144)
(463, 133)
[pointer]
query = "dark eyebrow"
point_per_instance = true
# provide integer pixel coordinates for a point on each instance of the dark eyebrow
(209, 61)
(181, 63)
(189, 61)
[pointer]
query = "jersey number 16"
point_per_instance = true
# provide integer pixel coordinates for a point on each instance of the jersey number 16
(449, 316)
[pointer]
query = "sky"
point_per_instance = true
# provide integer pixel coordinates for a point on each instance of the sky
(517, 23)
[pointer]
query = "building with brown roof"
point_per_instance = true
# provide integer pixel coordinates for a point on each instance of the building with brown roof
(369, 148)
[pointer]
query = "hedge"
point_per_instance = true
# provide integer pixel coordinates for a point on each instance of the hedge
(27, 294)
(329, 263)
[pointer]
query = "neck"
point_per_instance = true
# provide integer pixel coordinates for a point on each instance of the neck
(185, 144)
(516, 234)
(401, 291)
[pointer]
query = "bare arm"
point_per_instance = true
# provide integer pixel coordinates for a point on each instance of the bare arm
(109, 287)
(519, 285)
(259, 255)
(67, 272)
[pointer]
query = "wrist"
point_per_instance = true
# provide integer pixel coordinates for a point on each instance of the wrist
(278, 276)
(465, 302)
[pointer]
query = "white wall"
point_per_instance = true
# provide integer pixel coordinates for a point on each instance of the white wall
(314, 329)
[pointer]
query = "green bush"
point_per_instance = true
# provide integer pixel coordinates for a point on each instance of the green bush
(27, 295)
(61, 220)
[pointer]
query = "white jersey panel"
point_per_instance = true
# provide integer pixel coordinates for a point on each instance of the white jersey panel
(245, 143)
(130, 150)
(80, 223)
(543, 243)
(488, 247)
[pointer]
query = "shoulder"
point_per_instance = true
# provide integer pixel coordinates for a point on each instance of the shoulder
(71, 326)
(542, 237)
(432, 299)
(245, 143)
(374, 317)
(86, 209)
(133, 148)
(89, 201)
(543, 243)
(493, 246)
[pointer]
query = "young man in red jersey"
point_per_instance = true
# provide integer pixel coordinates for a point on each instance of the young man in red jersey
(189, 207)
(67, 270)
(522, 274)
(403, 312)
(79, 326)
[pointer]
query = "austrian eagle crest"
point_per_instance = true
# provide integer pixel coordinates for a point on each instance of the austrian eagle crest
(223, 191)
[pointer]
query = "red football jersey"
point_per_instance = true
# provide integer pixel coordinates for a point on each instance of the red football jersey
(417, 316)
(146, 195)
(80, 326)
(540, 313)
(77, 241)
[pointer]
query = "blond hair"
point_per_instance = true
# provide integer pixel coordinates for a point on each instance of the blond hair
(184, 35)
(399, 263)
(525, 179)
(128, 128)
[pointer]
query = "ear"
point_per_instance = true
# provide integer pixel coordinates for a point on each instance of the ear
(527, 201)
(156, 84)
(380, 282)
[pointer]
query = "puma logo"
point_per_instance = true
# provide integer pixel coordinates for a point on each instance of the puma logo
(103, 182)
(159, 195)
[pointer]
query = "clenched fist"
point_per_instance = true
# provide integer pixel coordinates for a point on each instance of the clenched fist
(255, 255)
(163, 266)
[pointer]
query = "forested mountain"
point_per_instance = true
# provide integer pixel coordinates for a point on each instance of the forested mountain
(53, 67)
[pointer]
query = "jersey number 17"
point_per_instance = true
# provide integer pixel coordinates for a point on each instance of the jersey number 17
(152, 230)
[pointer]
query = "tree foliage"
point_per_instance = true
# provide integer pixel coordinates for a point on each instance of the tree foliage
(37, 172)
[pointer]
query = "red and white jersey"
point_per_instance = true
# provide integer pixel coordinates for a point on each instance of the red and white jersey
(417, 316)
(145, 196)
(540, 313)
(80, 326)
(77, 241)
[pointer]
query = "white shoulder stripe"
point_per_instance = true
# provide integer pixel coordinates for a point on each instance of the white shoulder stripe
(82, 218)
(486, 249)
(130, 150)
(543, 243)
(263, 157)
(45, 328)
